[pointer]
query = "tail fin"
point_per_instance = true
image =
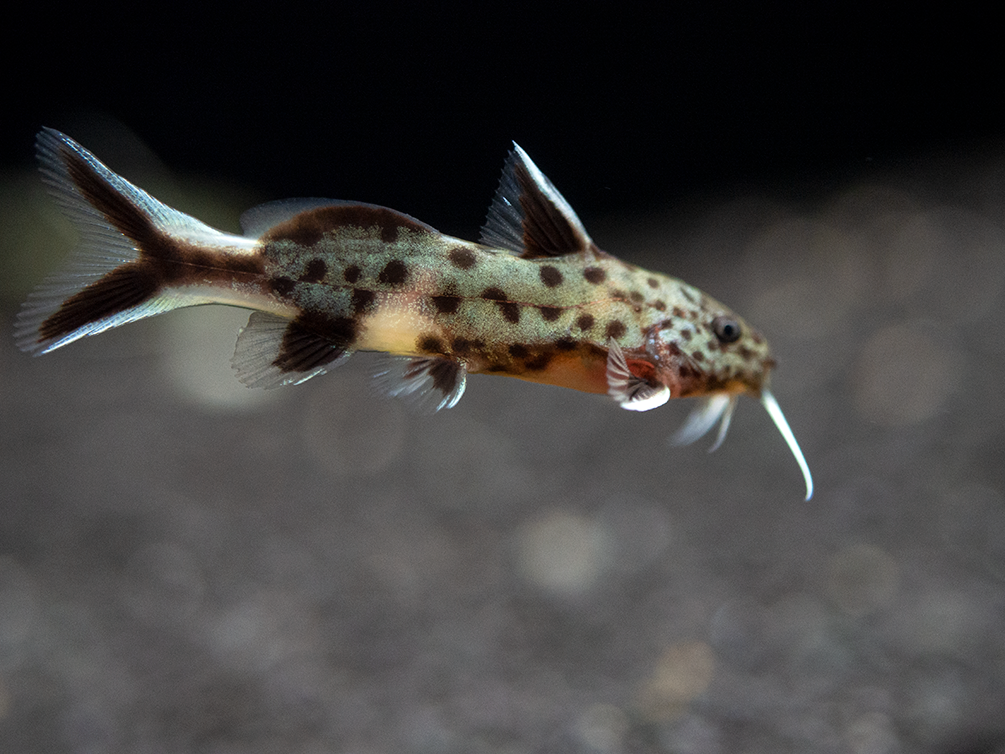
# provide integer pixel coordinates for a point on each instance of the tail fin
(123, 269)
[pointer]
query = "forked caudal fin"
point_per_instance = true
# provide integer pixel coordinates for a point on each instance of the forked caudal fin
(132, 256)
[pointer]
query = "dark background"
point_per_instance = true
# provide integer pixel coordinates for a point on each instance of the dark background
(186, 565)
(413, 106)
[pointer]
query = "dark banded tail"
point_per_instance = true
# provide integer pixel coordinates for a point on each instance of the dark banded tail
(129, 264)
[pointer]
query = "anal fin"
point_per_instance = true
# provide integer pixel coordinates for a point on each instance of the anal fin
(273, 351)
(428, 382)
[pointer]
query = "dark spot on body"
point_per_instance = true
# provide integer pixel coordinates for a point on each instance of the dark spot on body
(395, 272)
(674, 350)
(698, 356)
(686, 335)
(595, 275)
(518, 351)
(495, 294)
(430, 344)
(584, 321)
(446, 304)
(636, 296)
(745, 353)
(678, 312)
(660, 305)
(362, 300)
(315, 271)
(550, 313)
(653, 282)
(616, 329)
(462, 258)
(464, 346)
(687, 371)
(389, 230)
(510, 310)
(539, 362)
(551, 276)
(688, 295)
(565, 344)
(351, 273)
(282, 286)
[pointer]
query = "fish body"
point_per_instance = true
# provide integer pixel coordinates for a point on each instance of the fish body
(536, 299)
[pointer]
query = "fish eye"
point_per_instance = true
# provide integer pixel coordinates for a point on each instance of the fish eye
(726, 330)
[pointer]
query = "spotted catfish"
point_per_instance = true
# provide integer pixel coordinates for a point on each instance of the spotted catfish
(536, 299)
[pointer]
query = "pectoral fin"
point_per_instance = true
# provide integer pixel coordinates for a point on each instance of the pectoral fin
(632, 391)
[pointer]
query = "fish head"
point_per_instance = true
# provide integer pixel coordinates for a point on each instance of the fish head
(715, 355)
(714, 352)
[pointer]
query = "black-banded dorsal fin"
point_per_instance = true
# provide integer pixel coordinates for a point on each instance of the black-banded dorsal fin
(307, 220)
(529, 217)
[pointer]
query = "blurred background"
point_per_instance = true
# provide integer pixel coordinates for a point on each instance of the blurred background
(187, 565)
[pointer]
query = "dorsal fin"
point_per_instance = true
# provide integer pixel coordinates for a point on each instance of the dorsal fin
(529, 217)
(257, 220)
(307, 220)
